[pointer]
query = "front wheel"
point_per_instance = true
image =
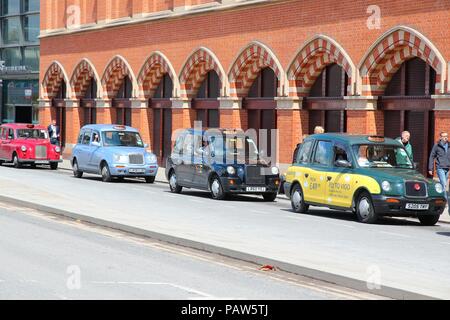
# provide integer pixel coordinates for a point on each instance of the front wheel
(365, 210)
(216, 188)
(54, 165)
(76, 171)
(16, 162)
(106, 174)
(150, 179)
(173, 183)
(429, 220)
(269, 197)
(297, 201)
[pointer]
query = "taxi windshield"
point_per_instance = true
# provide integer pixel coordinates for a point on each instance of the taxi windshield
(122, 139)
(235, 146)
(382, 156)
(32, 134)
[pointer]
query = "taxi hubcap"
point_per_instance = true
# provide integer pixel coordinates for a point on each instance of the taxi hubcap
(105, 171)
(297, 199)
(173, 181)
(215, 187)
(364, 207)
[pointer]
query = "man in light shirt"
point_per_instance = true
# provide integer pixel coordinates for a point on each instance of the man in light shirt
(54, 132)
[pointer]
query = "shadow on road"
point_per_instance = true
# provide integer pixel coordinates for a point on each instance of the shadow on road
(207, 195)
(447, 234)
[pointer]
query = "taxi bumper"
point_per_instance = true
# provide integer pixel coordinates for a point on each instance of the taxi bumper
(125, 170)
(236, 185)
(39, 161)
(397, 206)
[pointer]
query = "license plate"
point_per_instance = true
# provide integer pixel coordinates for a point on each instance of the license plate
(417, 206)
(256, 189)
(136, 170)
(41, 162)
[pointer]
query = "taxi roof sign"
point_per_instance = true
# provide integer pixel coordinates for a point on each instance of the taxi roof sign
(119, 127)
(376, 138)
(30, 126)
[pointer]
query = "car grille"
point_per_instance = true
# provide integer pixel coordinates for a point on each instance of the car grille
(41, 152)
(136, 158)
(411, 190)
(253, 175)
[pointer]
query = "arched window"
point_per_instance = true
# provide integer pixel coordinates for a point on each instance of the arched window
(88, 103)
(165, 88)
(265, 85)
(207, 111)
(122, 103)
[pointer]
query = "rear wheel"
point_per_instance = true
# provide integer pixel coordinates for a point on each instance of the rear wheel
(297, 200)
(365, 210)
(16, 162)
(429, 220)
(173, 183)
(269, 197)
(76, 171)
(106, 174)
(54, 165)
(150, 179)
(217, 189)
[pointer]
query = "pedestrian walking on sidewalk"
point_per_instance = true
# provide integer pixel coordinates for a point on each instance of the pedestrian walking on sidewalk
(441, 154)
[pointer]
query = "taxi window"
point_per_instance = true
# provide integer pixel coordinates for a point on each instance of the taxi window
(178, 147)
(324, 152)
(96, 137)
(87, 137)
(341, 153)
(10, 134)
(304, 152)
(188, 145)
(80, 137)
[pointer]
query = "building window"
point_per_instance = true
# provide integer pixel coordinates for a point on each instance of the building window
(11, 30)
(31, 27)
(165, 88)
(31, 58)
(30, 5)
(12, 56)
(10, 7)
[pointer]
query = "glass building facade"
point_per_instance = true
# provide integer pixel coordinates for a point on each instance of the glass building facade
(19, 56)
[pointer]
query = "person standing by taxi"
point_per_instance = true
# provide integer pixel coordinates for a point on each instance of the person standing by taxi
(441, 154)
(54, 132)
(404, 139)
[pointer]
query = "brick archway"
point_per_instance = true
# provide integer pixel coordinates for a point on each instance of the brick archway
(199, 63)
(52, 81)
(81, 76)
(247, 65)
(153, 70)
(390, 51)
(312, 58)
(113, 75)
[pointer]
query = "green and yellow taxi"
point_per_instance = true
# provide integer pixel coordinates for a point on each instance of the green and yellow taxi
(369, 175)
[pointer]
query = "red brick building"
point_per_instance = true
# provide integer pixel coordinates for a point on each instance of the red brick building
(350, 66)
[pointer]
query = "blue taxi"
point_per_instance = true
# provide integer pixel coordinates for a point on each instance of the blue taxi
(113, 151)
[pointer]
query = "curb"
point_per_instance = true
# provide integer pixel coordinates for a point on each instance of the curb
(355, 284)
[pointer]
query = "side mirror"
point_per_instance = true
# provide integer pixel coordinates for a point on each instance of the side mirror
(343, 164)
(146, 145)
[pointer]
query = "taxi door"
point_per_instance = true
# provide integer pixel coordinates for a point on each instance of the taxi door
(320, 167)
(95, 153)
(301, 170)
(83, 150)
(2, 138)
(340, 184)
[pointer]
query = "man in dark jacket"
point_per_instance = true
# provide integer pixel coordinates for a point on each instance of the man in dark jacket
(441, 154)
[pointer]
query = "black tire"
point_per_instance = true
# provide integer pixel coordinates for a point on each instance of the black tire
(150, 179)
(16, 162)
(216, 188)
(365, 211)
(429, 220)
(76, 171)
(106, 174)
(173, 183)
(54, 165)
(297, 200)
(269, 197)
(33, 166)
(1, 162)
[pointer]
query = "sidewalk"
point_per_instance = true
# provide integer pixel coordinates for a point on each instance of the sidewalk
(161, 177)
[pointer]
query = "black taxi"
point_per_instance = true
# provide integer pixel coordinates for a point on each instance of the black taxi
(221, 161)
(370, 175)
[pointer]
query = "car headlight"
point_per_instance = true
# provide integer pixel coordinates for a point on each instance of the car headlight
(120, 158)
(231, 170)
(57, 149)
(23, 148)
(439, 188)
(151, 158)
(275, 170)
(386, 186)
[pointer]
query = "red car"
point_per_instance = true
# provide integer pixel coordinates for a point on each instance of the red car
(27, 144)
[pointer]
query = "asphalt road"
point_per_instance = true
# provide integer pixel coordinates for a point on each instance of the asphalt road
(397, 253)
(45, 257)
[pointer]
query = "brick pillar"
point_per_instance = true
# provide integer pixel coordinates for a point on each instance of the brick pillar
(141, 120)
(441, 114)
(363, 116)
(73, 122)
(183, 116)
(292, 125)
(105, 113)
(45, 114)
(232, 116)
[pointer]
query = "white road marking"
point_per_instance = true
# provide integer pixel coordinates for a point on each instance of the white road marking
(145, 283)
(395, 234)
